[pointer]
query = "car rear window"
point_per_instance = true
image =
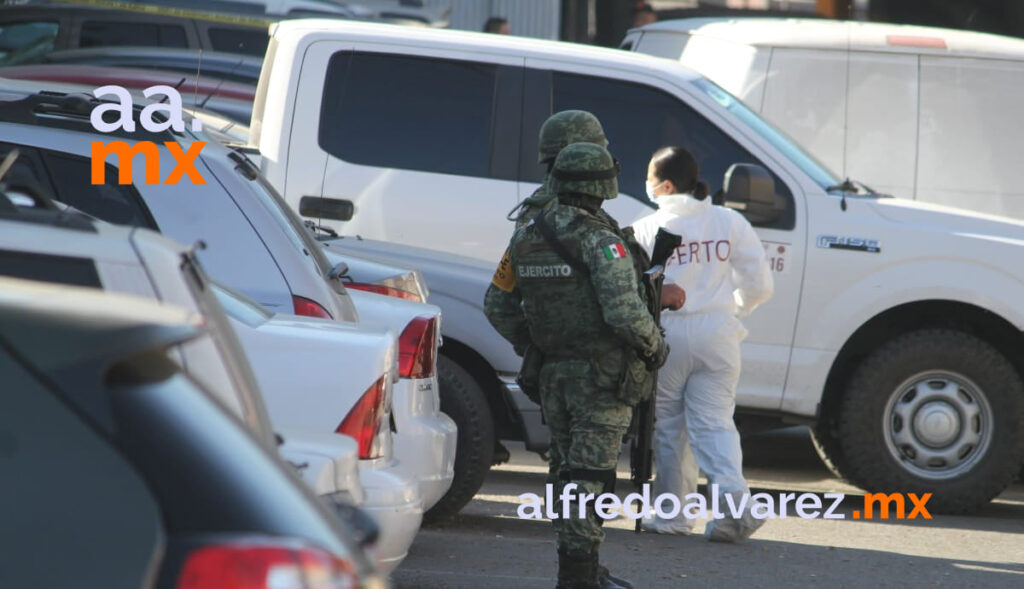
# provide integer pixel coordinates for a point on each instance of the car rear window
(96, 33)
(23, 42)
(239, 40)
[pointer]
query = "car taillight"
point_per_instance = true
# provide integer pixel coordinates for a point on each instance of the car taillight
(265, 564)
(417, 348)
(388, 291)
(364, 420)
(308, 308)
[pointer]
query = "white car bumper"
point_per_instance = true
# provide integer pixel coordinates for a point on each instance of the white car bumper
(425, 441)
(393, 500)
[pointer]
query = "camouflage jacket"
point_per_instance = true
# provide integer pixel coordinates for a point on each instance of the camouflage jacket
(538, 298)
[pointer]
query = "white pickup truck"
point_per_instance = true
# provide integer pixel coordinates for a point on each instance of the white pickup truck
(895, 329)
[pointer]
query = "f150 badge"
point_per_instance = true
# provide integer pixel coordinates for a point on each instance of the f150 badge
(849, 243)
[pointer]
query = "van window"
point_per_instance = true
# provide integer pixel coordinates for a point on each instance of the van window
(239, 40)
(119, 204)
(97, 33)
(412, 113)
(23, 41)
(638, 120)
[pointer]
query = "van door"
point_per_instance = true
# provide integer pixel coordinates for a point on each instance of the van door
(640, 115)
(424, 145)
(881, 121)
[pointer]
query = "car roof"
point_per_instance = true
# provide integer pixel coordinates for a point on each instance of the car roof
(474, 43)
(833, 34)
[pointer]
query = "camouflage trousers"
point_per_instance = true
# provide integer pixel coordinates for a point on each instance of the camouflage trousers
(587, 423)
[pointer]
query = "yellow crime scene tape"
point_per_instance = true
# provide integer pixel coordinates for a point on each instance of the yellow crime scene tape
(254, 21)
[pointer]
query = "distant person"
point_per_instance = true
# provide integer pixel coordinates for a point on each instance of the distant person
(496, 24)
(643, 14)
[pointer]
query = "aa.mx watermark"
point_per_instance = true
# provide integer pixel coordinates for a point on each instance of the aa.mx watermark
(172, 119)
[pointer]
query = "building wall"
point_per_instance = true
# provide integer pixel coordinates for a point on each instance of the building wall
(527, 18)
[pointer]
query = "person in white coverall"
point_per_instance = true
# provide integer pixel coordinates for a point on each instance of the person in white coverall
(721, 266)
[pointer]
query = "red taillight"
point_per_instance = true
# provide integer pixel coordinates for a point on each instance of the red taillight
(417, 348)
(308, 308)
(387, 291)
(265, 565)
(364, 420)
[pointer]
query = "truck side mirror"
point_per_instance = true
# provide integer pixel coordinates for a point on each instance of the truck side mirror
(750, 190)
(321, 207)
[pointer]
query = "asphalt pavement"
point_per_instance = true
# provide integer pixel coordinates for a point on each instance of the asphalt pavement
(488, 545)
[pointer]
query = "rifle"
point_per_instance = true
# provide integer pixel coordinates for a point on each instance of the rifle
(641, 457)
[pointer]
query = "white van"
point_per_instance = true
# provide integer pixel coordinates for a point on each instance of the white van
(924, 113)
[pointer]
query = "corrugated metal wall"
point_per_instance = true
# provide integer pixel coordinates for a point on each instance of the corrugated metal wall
(528, 18)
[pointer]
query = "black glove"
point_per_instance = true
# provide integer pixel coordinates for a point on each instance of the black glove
(657, 359)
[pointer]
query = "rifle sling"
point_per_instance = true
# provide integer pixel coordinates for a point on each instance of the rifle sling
(549, 236)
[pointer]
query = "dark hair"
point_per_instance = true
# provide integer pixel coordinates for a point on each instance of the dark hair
(493, 24)
(678, 166)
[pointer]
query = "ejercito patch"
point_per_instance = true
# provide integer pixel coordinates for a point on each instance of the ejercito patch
(504, 278)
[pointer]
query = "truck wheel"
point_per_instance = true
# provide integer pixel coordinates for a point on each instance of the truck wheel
(934, 411)
(463, 400)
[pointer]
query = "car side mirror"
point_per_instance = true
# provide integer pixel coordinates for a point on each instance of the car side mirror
(750, 190)
(321, 207)
(340, 270)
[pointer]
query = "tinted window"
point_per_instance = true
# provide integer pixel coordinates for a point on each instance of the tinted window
(49, 268)
(638, 120)
(68, 497)
(114, 203)
(101, 33)
(406, 112)
(246, 41)
(22, 42)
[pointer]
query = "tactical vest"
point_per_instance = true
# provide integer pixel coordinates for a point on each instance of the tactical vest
(559, 301)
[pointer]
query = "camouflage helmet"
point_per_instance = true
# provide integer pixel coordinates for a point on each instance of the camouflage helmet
(585, 168)
(565, 127)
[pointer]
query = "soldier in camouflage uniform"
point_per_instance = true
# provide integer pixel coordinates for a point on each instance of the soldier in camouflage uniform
(568, 287)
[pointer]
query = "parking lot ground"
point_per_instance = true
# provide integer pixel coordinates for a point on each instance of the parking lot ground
(487, 545)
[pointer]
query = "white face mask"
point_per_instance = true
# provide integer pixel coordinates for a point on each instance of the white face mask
(650, 190)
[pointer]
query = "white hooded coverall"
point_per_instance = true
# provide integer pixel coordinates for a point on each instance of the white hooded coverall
(722, 267)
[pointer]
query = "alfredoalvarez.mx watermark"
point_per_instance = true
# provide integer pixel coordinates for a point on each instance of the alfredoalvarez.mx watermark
(696, 506)
(123, 108)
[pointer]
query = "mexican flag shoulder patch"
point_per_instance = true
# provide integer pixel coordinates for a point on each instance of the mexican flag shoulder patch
(613, 251)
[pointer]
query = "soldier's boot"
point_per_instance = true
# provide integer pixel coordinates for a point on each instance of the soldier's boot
(607, 580)
(577, 570)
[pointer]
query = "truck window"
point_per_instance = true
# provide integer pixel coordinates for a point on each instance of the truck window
(638, 120)
(411, 113)
(23, 41)
(96, 33)
(114, 203)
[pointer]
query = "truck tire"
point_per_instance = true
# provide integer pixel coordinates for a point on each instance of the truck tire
(463, 400)
(934, 411)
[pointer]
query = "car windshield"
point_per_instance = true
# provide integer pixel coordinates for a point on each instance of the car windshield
(789, 148)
